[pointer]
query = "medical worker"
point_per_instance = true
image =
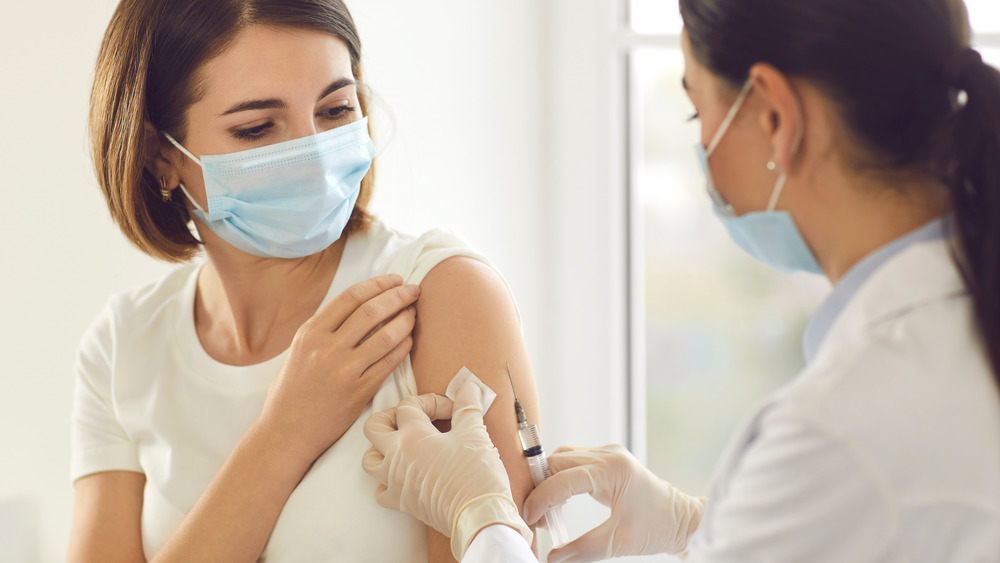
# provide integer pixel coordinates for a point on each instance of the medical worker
(859, 139)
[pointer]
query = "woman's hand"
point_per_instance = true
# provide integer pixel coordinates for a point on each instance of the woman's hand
(337, 361)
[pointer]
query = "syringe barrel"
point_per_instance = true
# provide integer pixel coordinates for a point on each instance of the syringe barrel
(555, 526)
(539, 468)
(529, 437)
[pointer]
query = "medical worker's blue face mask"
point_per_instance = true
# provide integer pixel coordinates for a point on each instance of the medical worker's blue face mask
(769, 236)
(289, 199)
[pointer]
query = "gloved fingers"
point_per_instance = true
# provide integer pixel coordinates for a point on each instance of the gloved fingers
(469, 405)
(564, 449)
(415, 413)
(380, 429)
(576, 457)
(385, 499)
(556, 490)
(594, 545)
(374, 464)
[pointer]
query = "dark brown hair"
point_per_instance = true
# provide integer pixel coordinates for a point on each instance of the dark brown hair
(909, 89)
(146, 80)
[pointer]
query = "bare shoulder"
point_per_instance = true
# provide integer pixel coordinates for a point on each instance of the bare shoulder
(465, 317)
(464, 281)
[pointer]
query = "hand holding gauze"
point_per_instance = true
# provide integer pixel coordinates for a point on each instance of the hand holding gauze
(452, 481)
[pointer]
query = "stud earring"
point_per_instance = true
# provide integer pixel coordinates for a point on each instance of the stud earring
(163, 189)
(772, 165)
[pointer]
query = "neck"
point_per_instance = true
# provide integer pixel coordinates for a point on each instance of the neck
(250, 307)
(858, 215)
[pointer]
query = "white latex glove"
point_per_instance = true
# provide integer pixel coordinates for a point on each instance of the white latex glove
(453, 481)
(648, 515)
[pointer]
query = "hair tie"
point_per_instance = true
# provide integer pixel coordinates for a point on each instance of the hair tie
(956, 72)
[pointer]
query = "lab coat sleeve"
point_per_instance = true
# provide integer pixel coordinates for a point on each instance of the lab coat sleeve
(499, 544)
(796, 493)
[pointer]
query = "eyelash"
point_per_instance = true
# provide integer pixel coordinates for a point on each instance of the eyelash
(694, 117)
(254, 133)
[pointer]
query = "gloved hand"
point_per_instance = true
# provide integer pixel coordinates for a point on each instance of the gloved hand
(648, 515)
(453, 481)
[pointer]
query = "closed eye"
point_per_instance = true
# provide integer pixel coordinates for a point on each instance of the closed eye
(252, 133)
(336, 112)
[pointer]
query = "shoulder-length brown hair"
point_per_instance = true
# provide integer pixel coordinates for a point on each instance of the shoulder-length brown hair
(146, 80)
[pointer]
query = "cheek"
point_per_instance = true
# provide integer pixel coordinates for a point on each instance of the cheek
(739, 167)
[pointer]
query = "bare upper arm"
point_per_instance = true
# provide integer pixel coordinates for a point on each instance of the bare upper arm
(466, 317)
(107, 516)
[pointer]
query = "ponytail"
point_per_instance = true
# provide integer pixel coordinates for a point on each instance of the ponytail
(972, 173)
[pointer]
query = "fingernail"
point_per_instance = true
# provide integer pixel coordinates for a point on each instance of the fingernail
(414, 290)
(396, 279)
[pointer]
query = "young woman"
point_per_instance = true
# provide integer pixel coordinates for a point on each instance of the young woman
(860, 139)
(216, 411)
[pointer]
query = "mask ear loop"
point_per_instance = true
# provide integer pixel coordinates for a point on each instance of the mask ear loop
(783, 178)
(730, 117)
(181, 184)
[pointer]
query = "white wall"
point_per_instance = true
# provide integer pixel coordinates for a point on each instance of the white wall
(473, 87)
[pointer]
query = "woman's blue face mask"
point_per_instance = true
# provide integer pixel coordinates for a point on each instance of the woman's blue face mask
(770, 235)
(289, 199)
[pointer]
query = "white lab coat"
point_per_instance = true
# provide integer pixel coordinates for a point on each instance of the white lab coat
(886, 448)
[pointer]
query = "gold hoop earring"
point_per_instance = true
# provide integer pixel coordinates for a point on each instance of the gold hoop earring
(163, 189)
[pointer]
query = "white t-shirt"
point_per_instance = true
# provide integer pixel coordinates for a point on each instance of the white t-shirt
(149, 399)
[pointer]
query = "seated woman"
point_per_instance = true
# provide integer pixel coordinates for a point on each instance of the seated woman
(218, 413)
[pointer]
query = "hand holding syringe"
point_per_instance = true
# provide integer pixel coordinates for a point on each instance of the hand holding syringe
(538, 465)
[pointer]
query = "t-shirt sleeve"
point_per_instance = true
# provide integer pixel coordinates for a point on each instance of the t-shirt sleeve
(797, 494)
(98, 440)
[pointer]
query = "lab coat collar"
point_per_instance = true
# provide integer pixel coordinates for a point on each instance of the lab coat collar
(845, 290)
(923, 273)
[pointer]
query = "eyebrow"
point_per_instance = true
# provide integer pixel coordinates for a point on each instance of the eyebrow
(337, 85)
(275, 103)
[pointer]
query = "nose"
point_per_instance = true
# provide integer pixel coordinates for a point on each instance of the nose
(303, 126)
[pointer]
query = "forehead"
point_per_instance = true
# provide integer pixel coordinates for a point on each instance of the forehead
(274, 62)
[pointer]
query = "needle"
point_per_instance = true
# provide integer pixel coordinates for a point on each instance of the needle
(518, 410)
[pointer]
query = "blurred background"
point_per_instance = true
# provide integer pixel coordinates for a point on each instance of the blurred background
(551, 134)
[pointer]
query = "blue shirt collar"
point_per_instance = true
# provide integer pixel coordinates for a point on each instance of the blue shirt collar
(849, 285)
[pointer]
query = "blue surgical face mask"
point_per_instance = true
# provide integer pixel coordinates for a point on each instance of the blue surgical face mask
(769, 236)
(289, 199)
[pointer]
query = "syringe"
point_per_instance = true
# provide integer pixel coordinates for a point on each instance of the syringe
(538, 466)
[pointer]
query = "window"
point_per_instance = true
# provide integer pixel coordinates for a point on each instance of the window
(715, 331)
